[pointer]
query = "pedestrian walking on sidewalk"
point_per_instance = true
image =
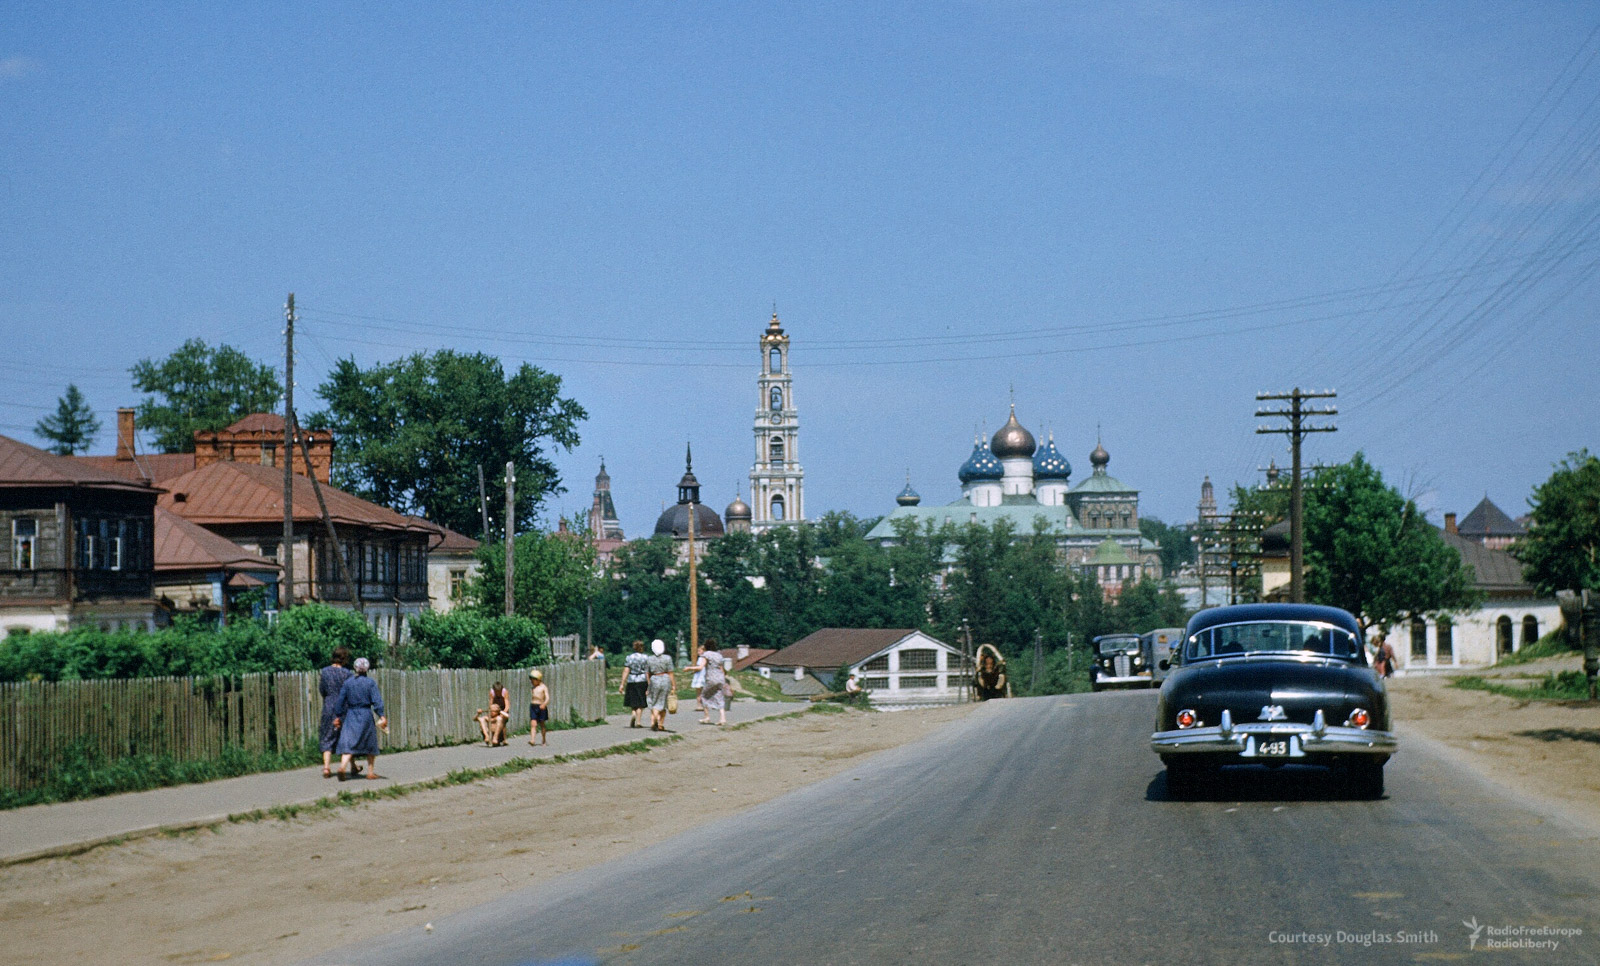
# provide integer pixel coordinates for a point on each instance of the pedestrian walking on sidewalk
(636, 682)
(538, 708)
(662, 683)
(358, 714)
(329, 681)
(714, 689)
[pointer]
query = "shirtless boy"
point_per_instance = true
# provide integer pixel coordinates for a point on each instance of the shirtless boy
(538, 708)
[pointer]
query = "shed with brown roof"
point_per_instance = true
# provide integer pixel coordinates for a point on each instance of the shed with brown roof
(901, 667)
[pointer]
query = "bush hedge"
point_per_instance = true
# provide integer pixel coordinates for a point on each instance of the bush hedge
(300, 640)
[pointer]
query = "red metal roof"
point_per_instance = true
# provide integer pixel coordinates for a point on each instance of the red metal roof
(24, 465)
(259, 423)
(225, 493)
(181, 545)
(155, 467)
(444, 539)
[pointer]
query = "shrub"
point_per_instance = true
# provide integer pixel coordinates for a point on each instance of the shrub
(466, 638)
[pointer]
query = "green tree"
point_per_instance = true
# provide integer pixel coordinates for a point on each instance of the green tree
(1369, 551)
(643, 595)
(413, 432)
(1148, 605)
(201, 389)
(72, 427)
(554, 578)
(1562, 548)
(1176, 548)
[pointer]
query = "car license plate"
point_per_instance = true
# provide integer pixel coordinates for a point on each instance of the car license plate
(1274, 747)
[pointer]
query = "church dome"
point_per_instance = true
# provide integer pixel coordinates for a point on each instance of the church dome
(737, 510)
(908, 496)
(1049, 464)
(1012, 441)
(1099, 458)
(674, 522)
(981, 465)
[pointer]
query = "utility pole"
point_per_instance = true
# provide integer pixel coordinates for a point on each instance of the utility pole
(483, 502)
(511, 511)
(1038, 659)
(694, 593)
(1297, 413)
(286, 554)
(334, 549)
(966, 660)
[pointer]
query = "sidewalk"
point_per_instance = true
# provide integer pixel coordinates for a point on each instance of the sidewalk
(40, 831)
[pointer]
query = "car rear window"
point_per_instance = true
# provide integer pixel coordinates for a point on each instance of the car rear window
(1271, 637)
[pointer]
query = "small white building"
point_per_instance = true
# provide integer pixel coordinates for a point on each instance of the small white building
(1511, 617)
(901, 667)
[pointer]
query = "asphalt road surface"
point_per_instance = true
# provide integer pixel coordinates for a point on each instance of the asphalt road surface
(1039, 831)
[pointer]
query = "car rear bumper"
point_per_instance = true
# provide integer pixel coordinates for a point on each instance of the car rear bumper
(1303, 740)
(1106, 680)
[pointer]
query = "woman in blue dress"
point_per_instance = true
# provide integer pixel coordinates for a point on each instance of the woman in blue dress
(358, 714)
(329, 682)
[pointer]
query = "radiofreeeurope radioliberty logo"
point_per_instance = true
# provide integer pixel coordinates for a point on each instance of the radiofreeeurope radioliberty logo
(1546, 938)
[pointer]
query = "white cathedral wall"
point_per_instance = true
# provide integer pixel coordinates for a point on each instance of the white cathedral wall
(982, 494)
(1052, 494)
(1018, 478)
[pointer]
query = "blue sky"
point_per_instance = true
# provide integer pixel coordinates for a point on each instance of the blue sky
(1133, 216)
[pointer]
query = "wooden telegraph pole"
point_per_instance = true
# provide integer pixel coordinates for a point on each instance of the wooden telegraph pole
(511, 530)
(1297, 413)
(694, 591)
(286, 554)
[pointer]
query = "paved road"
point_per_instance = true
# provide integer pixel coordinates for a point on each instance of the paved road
(1039, 831)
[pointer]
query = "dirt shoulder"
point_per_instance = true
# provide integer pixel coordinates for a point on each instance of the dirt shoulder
(1547, 750)
(277, 891)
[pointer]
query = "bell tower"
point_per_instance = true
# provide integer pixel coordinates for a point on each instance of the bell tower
(777, 483)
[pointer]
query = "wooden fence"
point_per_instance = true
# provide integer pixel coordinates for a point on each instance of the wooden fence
(195, 719)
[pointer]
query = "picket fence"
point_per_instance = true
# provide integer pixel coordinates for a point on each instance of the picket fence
(197, 719)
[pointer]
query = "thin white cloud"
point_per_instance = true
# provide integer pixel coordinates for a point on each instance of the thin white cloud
(18, 66)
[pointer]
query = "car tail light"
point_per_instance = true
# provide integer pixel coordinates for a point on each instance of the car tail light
(1359, 718)
(1186, 718)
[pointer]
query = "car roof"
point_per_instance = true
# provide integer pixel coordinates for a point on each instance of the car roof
(1244, 613)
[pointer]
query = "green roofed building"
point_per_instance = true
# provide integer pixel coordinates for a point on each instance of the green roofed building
(1010, 477)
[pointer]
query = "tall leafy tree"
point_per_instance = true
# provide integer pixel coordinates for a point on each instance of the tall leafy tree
(1562, 548)
(1369, 551)
(413, 432)
(643, 595)
(553, 578)
(72, 427)
(1174, 545)
(201, 389)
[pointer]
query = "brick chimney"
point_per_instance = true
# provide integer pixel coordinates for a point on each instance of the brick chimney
(1449, 523)
(124, 434)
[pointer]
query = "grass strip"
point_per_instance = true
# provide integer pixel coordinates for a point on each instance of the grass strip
(1562, 686)
(461, 776)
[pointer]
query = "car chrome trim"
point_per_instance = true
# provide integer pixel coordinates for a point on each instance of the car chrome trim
(1229, 738)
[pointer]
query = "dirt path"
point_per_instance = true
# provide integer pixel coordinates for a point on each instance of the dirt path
(274, 891)
(1549, 750)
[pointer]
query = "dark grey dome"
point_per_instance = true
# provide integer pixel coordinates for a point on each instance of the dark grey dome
(908, 496)
(737, 510)
(1012, 441)
(1099, 458)
(674, 521)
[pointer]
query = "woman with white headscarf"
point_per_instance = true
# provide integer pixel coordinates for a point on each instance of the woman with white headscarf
(358, 714)
(662, 684)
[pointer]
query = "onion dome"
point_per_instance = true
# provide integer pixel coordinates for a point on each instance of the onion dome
(1012, 441)
(737, 510)
(981, 465)
(908, 496)
(1099, 458)
(674, 521)
(1049, 464)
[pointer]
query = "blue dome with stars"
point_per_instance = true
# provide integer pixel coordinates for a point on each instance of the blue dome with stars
(1049, 464)
(981, 465)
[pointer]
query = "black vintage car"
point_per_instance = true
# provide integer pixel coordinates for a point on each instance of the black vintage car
(1119, 661)
(1273, 684)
